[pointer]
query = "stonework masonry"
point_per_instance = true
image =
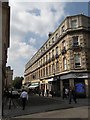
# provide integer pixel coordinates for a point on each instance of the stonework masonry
(64, 56)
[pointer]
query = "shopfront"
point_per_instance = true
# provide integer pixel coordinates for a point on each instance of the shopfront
(77, 80)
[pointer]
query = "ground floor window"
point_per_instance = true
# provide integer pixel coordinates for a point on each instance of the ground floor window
(80, 87)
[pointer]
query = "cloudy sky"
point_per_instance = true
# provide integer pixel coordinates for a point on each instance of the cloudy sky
(30, 23)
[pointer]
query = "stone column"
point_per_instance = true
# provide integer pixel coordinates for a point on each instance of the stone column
(71, 82)
(61, 87)
(86, 85)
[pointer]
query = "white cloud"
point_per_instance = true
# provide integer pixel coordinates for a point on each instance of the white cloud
(32, 41)
(25, 21)
(18, 54)
(22, 21)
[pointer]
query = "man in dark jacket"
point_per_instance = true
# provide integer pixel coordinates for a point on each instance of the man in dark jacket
(72, 95)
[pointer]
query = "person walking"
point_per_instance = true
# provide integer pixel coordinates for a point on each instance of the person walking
(11, 97)
(47, 92)
(72, 95)
(66, 92)
(24, 97)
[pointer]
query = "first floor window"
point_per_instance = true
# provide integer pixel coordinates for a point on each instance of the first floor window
(64, 63)
(77, 60)
(57, 66)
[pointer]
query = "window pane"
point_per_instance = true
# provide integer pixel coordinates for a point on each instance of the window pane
(73, 23)
(77, 60)
(75, 41)
(65, 63)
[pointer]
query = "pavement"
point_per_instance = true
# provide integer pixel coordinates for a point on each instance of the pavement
(79, 112)
(47, 107)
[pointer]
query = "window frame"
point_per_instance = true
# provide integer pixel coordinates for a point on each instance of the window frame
(77, 66)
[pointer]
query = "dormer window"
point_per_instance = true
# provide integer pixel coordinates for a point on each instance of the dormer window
(63, 28)
(53, 40)
(46, 46)
(56, 36)
(73, 23)
(43, 48)
(49, 43)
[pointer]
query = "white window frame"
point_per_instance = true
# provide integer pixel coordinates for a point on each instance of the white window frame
(79, 60)
(77, 40)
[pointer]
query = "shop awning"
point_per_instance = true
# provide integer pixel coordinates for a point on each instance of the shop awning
(33, 85)
(51, 79)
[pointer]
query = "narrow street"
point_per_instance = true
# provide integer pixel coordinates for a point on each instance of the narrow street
(39, 104)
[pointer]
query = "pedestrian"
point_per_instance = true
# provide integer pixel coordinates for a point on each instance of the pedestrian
(39, 92)
(24, 97)
(47, 92)
(11, 98)
(66, 93)
(72, 95)
(42, 92)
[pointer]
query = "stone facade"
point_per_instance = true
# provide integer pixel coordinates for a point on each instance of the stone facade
(4, 45)
(64, 56)
(5, 36)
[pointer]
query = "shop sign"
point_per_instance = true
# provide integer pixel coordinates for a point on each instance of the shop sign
(74, 75)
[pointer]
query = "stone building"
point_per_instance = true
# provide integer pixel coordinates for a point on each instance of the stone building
(4, 45)
(9, 77)
(5, 36)
(64, 59)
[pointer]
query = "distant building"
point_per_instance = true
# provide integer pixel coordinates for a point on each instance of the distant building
(9, 77)
(64, 59)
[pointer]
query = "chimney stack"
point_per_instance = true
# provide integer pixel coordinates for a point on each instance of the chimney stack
(49, 35)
